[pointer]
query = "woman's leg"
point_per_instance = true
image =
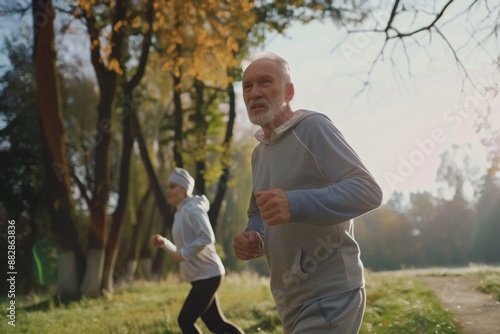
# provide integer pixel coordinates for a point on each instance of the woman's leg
(197, 302)
(214, 317)
(216, 322)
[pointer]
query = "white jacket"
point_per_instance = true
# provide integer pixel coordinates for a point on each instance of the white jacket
(194, 236)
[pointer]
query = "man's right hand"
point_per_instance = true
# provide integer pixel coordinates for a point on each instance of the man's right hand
(247, 245)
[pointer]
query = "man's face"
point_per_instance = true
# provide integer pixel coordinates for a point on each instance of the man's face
(263, 91)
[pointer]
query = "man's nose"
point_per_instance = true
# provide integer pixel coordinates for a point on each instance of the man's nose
(255, 91)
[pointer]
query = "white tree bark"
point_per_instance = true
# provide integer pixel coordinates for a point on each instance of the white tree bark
(147, 266)
(108, 277)
(67, 274)
(130, 270)
(91, 285)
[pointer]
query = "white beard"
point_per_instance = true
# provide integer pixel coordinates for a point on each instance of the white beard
(273, 111)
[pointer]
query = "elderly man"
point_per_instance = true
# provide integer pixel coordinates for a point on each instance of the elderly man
(308, 185)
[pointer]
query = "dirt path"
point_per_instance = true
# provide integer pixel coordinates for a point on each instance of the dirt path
(477, 312)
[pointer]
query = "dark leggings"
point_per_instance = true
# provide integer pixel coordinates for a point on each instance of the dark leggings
(202, 302)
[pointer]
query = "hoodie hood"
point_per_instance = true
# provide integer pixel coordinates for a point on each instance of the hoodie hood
(280, 130)
(200, 201)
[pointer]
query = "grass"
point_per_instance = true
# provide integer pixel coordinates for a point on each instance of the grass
(402, 304)
(489, 283)
(150, 308)
(395, 304)
(488, 276)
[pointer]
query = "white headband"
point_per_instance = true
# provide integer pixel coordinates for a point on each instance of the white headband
(181, 177)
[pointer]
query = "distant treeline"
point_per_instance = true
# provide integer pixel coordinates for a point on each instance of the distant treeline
(432, 231)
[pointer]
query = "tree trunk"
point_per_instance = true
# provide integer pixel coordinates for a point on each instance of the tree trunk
(132, 262)
(128, 141)
(201, 138)
(158, 259)
(116, 224)
(164, 208)
(216, 205)
(107, 80)
(145, 257)
(70, 259)
(178, 126)
(161, 201)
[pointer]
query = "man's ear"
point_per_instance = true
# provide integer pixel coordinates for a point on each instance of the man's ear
(289, 92)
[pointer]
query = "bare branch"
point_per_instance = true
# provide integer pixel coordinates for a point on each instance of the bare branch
(457, 59)
(484, 30)
(370, 70)
(393, 15)
(82, 189)
(428, 27)
(15, 8)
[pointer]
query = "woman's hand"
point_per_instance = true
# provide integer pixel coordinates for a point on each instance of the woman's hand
(157, 240)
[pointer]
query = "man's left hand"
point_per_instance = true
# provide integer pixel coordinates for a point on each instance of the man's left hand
(274, 207)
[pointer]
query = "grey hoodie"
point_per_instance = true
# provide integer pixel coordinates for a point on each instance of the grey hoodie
(194, 236)
(315, 255)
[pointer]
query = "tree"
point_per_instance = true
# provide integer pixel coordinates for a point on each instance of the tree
(128, 117)
(488, 211)
(132, 253)
(56, 165)
(21, 166)
(408, 27)
(454, 224)
(450, 233)
(201, 49)
(233, 216)
(277, 16)
(420, 215)
(457, 172)
(386, 240)
(395, 202)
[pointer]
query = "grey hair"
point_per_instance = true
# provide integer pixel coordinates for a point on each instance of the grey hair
(282, 63)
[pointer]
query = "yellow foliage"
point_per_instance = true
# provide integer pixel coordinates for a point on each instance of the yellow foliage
(119, 25)
(201, 42)
(114, 65)
(86, 5)
(198, 40)
(136, 22)
(95, 44)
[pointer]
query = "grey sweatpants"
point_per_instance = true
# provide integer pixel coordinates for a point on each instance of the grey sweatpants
(340, 314)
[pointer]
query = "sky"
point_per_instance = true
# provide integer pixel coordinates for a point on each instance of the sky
(416, 106)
